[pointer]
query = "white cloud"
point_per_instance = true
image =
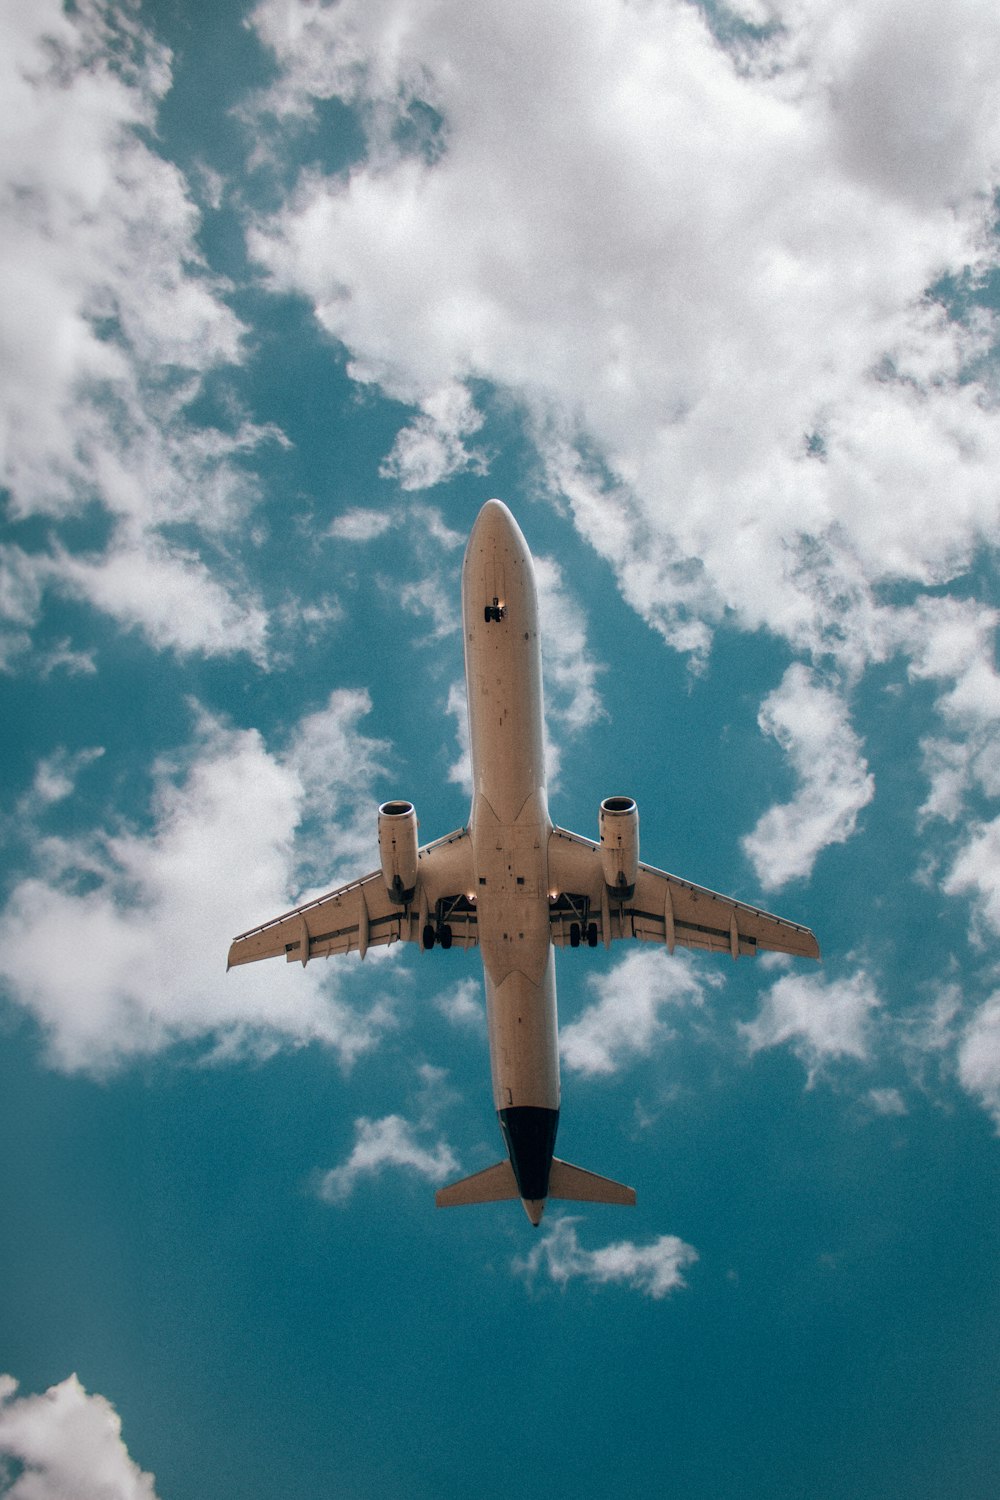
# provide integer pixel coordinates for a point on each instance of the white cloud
(432, 448)
(737, 329)
(810, 723)
(976, 873)
(655, 1269)
(979, 1057)
(951, 642)
(887, 1101)
(820, 1020)
(336, 766)
(109, 325)
(460, 772)
(70, 1446)
(389, 1142)
(571, 672)
(627, 1021)
(117, 944)
(463, 1003)
(56, 774)
(170, 595)
(360, 525)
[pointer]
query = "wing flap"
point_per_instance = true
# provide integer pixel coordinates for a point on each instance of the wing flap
(362, 914)
(663, 909)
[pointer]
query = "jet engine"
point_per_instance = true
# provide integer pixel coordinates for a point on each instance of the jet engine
(397, 847)
(619, 825)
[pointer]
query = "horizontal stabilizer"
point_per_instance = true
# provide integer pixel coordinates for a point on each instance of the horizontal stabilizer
(566, 1181)
(489, 1186)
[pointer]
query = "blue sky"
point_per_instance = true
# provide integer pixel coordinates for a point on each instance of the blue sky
(708, 296)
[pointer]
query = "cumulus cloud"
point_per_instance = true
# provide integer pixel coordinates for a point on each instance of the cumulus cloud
(432, 448)
(109, 328)
(655, 1269)
(820, 1020)
(810, 723)
(169, 595)
(976, 873)
(388, 1142)
(462, 1003)
(737, 369)
(69, 1444)
(950, 642)
(979, 1057)
(627, 1018)
(117, 943)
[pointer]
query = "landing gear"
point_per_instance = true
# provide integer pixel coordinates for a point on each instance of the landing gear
(432, 935)
(494, 611)
(592, 935)
(574, 934)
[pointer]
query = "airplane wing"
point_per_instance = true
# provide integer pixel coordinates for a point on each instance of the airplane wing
(663, 909)
(362, 914)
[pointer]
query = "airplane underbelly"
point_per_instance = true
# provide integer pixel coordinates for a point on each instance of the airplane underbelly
(524, 1051)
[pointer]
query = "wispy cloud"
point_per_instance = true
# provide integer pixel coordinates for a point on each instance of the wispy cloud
(655, 1270)
(811, 724)
(378, 1144)
(360, 525)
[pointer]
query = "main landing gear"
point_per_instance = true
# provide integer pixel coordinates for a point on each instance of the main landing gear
(576, 932)
(434, 935)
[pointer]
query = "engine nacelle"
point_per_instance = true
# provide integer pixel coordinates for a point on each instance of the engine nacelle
(397, 847)
(619, 825)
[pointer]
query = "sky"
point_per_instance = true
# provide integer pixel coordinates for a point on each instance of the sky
(709, 297)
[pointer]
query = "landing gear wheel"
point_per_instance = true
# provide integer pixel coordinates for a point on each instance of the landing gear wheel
(574, 934)
(592, 935)
(488, 613)
(428, 938)
(444, 936)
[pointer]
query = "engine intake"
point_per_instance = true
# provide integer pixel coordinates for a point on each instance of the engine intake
(397, 847)
(619, 826)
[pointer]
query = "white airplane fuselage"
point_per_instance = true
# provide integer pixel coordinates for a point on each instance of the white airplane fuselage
(509, 826)
(516, 886)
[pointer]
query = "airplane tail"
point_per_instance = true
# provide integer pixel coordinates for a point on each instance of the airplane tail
(494, 1184)
(489, 1186)
(567, 1181)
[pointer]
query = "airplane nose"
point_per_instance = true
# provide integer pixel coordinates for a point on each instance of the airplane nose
(534, 1208)
(494, 521)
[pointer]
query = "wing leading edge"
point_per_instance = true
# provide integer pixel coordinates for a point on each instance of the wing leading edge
(662, 909)
(363, 915)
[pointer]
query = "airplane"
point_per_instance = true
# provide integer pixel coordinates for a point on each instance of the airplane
(517, 886)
